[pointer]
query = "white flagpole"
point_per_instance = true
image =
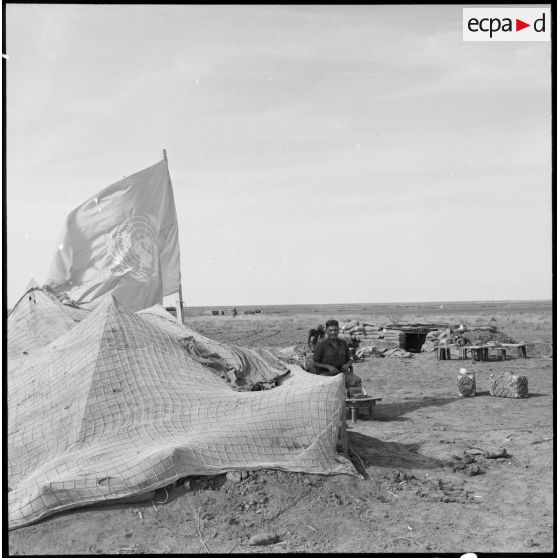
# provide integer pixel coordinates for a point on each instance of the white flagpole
(180, 309)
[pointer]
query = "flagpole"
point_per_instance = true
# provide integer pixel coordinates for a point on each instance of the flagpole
(180, 308)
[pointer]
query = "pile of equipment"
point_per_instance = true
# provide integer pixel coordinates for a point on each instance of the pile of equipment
(370, 332)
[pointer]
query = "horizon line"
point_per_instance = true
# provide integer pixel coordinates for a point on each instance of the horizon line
(436, 302)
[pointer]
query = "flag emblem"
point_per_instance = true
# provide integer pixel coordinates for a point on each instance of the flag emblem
(133, 248)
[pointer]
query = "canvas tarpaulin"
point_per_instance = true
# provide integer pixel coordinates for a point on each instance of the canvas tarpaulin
(122, 241)
(244, 368)
(120, 405)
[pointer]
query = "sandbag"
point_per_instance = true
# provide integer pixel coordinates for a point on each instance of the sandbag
(466, 385)
(509, 385)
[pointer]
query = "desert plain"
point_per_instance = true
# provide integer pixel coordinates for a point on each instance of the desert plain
(425, 484)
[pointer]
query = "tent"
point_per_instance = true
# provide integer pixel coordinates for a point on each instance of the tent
(122, 403)
(37, 319)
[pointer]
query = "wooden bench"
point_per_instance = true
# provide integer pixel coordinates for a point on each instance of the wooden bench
(478, 352)
(354, 404)
(500, 352)
(521, 348)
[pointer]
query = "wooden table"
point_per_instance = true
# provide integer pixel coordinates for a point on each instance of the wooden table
(480, 352)
(443, 352)
(500, 352)
(353, 404)
(521, 348)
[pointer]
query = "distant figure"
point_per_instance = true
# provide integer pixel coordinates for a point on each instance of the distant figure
(222, 312)
(332, 356)
(353, 346)
(234, 313)
(315, 335)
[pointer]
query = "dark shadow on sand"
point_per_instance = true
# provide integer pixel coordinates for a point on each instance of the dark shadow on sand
(396, 411)
(487, 394)
(374, 452)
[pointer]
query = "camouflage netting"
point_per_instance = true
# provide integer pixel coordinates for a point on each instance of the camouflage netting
(246, 369)
(37, 319)
(124, 403)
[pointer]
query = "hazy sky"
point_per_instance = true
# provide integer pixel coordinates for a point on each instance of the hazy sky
(319, 154)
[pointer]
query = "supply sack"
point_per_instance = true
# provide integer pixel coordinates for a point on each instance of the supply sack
(466, 385)
(509, 385)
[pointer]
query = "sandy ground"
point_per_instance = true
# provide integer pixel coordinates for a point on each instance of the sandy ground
(423, 489)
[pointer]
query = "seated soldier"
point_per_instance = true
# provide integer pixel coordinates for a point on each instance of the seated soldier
(315, 335)
(332, 356)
